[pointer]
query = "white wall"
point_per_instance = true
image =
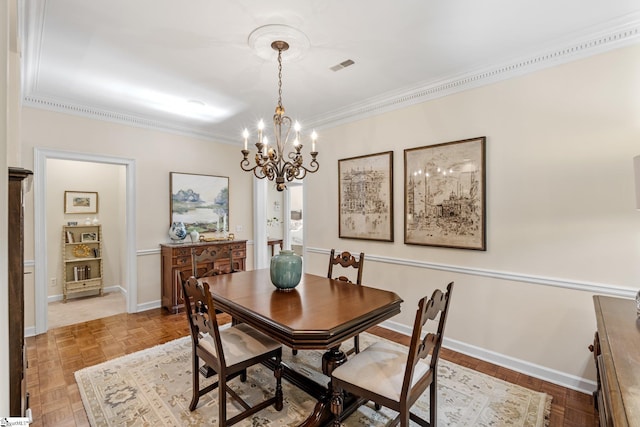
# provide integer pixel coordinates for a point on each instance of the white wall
(156, 154)
(560, 210)
(105, 179)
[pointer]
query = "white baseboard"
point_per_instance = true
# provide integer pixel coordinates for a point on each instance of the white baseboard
(140, 307)
(107, 290)
(148, 306)
(541, 372)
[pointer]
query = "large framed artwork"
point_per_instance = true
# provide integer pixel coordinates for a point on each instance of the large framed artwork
(80, 202)
(201, 202)
(365, 201)
(444, 200)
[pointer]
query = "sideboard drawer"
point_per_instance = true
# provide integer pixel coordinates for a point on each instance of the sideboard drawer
(183, 260)
(239, 253)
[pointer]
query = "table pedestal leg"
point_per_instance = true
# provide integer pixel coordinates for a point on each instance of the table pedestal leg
(333, 358)
(322, 415)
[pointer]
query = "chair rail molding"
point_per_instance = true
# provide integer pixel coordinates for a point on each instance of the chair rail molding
(599, 288)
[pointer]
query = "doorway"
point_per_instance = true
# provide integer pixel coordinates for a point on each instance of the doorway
(295, 219)
(44, 236)
(263, 213)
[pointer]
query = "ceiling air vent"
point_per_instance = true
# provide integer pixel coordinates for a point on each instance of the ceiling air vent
(343, 64)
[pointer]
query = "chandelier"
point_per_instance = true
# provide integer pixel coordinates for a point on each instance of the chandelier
(270, 160)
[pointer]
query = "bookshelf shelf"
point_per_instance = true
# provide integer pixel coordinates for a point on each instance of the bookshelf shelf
(82, 260)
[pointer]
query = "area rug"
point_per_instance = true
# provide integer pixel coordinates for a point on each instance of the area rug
(153, 388)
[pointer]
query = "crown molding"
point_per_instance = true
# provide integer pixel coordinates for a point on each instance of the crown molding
(617, 36)
(606, 37)
(64, 106)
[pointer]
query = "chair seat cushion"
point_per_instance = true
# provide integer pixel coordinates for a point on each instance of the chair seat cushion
(240, 343)
(380, 368)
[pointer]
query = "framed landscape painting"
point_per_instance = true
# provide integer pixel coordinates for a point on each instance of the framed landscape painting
(80, 202)
(201, 202)
(365, 197)
(445, 195)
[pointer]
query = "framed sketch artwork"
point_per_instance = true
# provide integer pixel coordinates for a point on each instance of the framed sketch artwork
(444, 200)
(365, 201)
(201, 202)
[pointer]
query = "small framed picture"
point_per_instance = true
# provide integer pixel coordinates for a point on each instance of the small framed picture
(80, 202)
(89, 237)
(72, 223)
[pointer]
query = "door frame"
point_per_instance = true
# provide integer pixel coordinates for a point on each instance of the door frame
(260, 191)
(41, 155)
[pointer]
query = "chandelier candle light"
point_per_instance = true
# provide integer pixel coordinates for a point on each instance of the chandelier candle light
(270, 162)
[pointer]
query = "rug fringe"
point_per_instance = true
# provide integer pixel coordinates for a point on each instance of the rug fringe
(547, 409)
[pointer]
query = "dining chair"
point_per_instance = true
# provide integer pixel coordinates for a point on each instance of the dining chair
(393, 377)
(211, 258)
(228, 352)
(346, 260)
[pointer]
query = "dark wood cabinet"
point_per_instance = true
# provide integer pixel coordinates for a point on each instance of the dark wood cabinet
(176, 260)
(616, 350)
(18, 396)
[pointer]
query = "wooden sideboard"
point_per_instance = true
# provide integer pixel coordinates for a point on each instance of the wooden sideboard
(616, 349)
(176, 260)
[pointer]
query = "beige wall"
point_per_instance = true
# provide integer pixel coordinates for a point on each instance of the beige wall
(560, 212)
(155, 154)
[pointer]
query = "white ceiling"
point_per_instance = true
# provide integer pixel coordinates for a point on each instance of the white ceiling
(155, 62)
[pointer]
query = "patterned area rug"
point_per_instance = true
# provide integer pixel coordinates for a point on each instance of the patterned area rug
(153, 388)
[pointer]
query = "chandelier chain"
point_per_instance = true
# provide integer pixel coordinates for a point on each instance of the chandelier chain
(280, 108)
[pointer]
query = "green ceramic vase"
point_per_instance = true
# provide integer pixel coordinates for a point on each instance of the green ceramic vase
(286, 270)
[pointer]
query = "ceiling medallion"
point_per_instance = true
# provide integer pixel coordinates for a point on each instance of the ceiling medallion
(261, 38)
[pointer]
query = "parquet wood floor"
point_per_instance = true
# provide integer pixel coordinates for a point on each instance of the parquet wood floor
(54, 357)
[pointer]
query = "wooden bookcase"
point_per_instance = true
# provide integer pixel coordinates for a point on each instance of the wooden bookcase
(82, 259)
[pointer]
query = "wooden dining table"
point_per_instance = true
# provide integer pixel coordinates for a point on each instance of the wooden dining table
(320, 313)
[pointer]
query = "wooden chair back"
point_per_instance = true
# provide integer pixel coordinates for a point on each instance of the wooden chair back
(207, 261)
(346, 260)
(420, 348)
(202, 317)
